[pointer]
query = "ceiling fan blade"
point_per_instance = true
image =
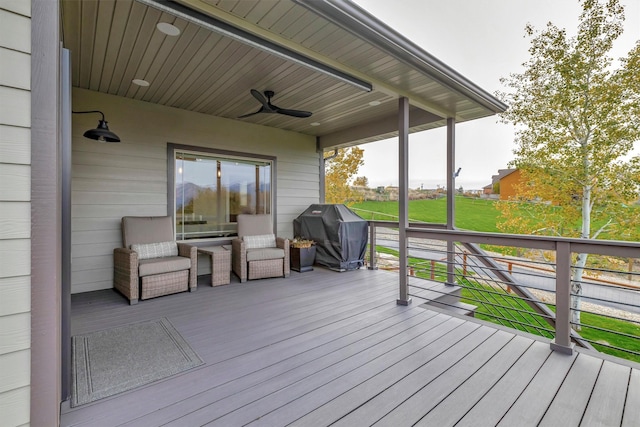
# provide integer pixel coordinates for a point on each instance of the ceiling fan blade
(250, 114)
(261, 99)
(268, 107)
(293, 113)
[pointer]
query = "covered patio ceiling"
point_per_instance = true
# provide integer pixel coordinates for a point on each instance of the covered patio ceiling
(329, 57)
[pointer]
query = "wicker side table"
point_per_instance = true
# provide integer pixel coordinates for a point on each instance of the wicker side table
(220, 264)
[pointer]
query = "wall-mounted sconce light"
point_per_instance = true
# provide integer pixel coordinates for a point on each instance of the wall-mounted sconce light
(102, 132)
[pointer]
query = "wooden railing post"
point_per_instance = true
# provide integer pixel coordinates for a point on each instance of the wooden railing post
(372, 247)
(464, 264)
(433, 270)
(562, 342)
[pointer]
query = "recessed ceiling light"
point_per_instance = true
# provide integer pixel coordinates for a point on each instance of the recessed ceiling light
(374, 103)
(140, 82)
(168, 29)
(315, 124)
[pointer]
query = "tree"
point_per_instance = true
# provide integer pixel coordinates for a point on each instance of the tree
(577, 118)
(361, 181)
(339, 174)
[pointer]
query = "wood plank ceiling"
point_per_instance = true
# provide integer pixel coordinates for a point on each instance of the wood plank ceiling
(113, 42)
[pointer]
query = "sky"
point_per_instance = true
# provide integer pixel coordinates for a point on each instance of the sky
(483, 40)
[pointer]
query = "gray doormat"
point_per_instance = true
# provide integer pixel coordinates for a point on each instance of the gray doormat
(119, 359)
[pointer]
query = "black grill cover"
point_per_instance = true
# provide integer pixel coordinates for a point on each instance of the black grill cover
(340, 235)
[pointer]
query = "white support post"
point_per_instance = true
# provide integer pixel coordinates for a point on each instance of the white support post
(451, 194)
(562, 342)
(403, 197)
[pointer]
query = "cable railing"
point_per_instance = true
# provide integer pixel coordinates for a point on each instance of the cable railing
(537, 292)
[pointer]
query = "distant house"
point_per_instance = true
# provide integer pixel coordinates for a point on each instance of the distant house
(508, 184)
(504, 184)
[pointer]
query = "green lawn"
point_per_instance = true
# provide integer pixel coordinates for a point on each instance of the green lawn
(471, 214)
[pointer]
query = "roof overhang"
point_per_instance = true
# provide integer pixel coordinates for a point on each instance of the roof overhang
(330, 57)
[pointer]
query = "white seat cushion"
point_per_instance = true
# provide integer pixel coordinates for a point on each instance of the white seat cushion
(264, 254)
(149, 267)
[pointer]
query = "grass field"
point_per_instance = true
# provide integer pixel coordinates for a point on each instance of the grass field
(471, 214)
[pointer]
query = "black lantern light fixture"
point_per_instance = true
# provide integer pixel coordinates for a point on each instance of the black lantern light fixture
(102, 132)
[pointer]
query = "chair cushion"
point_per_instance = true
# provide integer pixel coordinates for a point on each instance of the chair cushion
(149, 267)
(254, 225)
(261, 241)
(155, 250)
(264, 254)
(146, 229)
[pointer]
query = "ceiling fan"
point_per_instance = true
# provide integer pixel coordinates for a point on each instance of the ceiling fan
(268, 107)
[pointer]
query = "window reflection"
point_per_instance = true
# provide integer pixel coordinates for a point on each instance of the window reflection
(211, 191)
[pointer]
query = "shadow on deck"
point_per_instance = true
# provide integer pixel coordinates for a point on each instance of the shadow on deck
(323, 348)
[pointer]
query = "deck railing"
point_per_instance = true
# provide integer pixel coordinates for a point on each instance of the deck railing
(527, 282)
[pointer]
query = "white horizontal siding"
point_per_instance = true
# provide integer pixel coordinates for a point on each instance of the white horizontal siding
(14, 407)
(16, 295)
(15, 211)
(286, 175)
(18, 76)
(20, 7)
(95, 286)
(90, 236)
(110, 181)
(15, 332)
(118, 186)
(119, 198)
(89, 224)
(15, 370)
(15, 182)
(310, 186)
(109, 172)
(92, 277)
(15, 257)
(15, 108)
(15, 220)
(15, 31)
(115, 212)
(94, 249)
(15, 145)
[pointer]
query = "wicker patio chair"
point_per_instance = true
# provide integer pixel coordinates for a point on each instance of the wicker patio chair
(151, 263)
(257, 253)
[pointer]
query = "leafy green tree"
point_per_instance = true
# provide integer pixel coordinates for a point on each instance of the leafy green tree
(339, 176)
(577, 116)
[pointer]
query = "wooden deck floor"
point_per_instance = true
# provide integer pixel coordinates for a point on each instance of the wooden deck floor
(325, 348)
